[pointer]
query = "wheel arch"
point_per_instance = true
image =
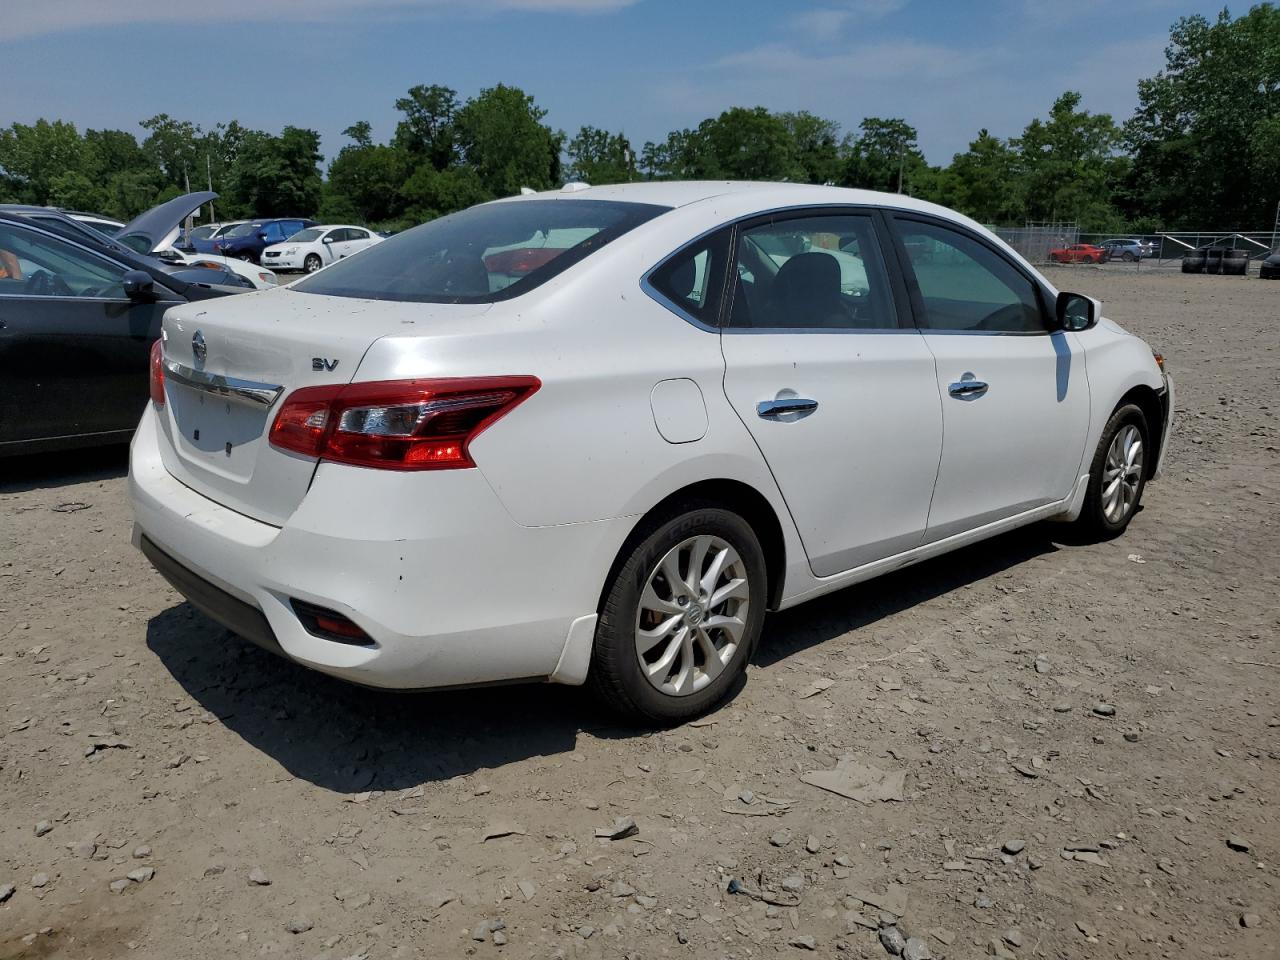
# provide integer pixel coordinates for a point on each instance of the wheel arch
(1148, 401)
(744, 500)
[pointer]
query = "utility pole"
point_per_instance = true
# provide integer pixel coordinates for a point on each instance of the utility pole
(902, 154)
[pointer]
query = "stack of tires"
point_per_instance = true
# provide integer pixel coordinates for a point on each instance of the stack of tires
(1193, 262)
(1235, 263)
(1228, 262)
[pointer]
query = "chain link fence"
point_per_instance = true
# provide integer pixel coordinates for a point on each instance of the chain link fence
(1036, 241)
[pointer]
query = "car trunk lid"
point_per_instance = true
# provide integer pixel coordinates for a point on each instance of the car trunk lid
(229, 365)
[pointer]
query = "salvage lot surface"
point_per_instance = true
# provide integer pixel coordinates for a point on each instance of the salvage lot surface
(145, 737)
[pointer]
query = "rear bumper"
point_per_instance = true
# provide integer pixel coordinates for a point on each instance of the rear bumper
(450, 589)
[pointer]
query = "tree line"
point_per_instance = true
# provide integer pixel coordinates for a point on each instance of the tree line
(1202, 149)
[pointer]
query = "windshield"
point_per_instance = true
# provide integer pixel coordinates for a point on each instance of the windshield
(492, 252)
(201, 233)
(243, 230)
(302, 236)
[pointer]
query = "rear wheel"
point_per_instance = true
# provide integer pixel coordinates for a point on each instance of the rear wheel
(1118, 473)
(681, 617)
(312, 263)
(1128, 256)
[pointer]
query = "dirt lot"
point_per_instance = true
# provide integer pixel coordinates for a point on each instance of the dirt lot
(272, 811)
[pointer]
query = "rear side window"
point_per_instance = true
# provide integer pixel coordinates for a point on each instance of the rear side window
(966, 286)
(488, 253)
(692, 280)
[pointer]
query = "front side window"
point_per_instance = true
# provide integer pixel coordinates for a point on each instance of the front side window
(817, 272)
(967, 286)
(35, 265)
(492, 252)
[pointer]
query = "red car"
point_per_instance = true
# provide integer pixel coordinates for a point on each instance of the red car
(1080, 253)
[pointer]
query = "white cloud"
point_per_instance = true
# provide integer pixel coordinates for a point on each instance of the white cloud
(24, 19)
(828, 22)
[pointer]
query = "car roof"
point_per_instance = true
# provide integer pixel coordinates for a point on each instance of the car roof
(679, 193)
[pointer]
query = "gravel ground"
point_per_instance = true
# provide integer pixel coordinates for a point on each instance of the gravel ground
(1084, 738)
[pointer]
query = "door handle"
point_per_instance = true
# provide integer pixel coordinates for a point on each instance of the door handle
(776, 408)
(967, 389)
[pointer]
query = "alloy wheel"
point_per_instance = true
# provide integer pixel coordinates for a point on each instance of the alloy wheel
(1122, 474)
(692, 615)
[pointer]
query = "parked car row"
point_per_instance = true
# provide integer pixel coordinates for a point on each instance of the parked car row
(315, 247)
(79, 312)
(1129, 250)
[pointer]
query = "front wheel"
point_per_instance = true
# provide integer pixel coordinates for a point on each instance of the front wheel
(681, 617)
(1118, 474)
(312, 263)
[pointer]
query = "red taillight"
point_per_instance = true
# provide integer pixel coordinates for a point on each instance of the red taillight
(157, 373)
(397, 424)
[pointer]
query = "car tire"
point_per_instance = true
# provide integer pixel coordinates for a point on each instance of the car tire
(246, 257)
(1108, 510)
(654, 649)
(1128, 256)
(311, 263)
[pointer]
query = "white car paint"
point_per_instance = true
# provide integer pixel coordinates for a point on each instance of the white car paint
(324, 244)
(262, 278)
(496, 572)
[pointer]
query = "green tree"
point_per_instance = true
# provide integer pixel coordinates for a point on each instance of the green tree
(815, 147)
(173, 146)
(277, 176)
(985, 181)
(598, 156)
(745, 144)
(1204, 135)
(365, 181)
(1068, 165)
(33, 157)
(432, 193)
(428, 131)
(884, 156)
(503, 139)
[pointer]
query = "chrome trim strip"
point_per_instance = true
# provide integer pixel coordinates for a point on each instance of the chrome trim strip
(249, 391)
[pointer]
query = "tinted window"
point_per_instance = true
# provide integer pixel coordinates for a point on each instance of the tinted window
(354, 234)
(693, 279)
(821, 272)
(36, 265)
(492, 252)
(966, 285)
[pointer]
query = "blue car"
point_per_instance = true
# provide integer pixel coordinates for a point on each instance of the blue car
(249, 239)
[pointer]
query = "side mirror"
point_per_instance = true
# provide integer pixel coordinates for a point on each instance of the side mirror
(262, 234)
(139, 287)
(327, 240)
(1076, 312)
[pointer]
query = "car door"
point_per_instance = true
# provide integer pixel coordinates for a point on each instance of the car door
(331, 245)
(73, 348)
(357, 240)
(836, 387)
(1015, 397)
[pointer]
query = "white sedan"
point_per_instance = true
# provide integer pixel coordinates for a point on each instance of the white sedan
(481, 452)
(315, 247)
(262, 278)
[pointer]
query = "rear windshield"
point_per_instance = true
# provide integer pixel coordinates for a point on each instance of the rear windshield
(481, 255)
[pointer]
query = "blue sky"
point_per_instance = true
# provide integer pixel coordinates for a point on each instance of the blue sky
(644, 66)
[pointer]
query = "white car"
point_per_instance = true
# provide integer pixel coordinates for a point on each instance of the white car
(261, 278)
(315, 247)
(472, 456)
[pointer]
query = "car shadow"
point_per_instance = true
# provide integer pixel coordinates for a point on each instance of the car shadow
(48, 470)
(350, 739)
(853, 608)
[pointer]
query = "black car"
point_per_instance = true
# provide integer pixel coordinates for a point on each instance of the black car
(247, 240)
(78, 315)
(1269, 269)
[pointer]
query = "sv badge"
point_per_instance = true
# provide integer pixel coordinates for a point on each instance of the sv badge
(323, 363)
